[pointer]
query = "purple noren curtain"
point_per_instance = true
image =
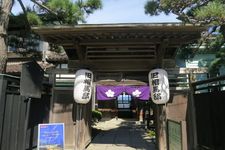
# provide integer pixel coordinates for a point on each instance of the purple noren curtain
(140, 92)
(111, 92)
(108, 92)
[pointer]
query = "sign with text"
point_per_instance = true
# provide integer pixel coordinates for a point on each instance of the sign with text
(174, 135)
(51, 136)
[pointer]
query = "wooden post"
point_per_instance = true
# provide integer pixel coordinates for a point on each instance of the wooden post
(161, 127)
(192, 117)
(26, 122)
(52, 81)
(78, 123)
(161, 119)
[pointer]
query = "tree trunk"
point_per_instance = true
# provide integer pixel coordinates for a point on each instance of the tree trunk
(6, 6)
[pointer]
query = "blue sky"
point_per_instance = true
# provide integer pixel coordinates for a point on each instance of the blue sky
(118, 11)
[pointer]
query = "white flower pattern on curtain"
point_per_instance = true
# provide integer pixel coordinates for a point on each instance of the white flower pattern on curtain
(110, 93)
(136, 93)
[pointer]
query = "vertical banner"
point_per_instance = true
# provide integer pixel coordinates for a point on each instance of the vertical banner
(159, 86)
(83, 86)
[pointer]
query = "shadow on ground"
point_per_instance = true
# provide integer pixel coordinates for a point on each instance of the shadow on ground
(120, 134)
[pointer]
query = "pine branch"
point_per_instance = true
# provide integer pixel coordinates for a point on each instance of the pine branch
(46, 8)
(184, 16)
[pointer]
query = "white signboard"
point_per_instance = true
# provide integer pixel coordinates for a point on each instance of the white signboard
(159, 86)
(83, 86)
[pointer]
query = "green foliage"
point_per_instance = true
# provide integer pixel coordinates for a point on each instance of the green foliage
(193, 11)
(24, 44)
(33, 19)
(22, 40)
(96, 115)
(213, 45)
(151, 8)
(56, 48)
(69, 12)
(151, 133)
(66, 12)
(91, 5)
(207, 12)
(218, 62)
(185, 52)
(216, 43)
(213, 12)
(217, 46)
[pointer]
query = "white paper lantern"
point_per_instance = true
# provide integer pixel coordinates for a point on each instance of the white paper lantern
(83, 86)
(159, 86)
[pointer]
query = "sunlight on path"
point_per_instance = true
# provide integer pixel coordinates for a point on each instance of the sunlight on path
(121, 135)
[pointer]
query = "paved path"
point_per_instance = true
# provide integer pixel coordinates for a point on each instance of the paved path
(121, 135)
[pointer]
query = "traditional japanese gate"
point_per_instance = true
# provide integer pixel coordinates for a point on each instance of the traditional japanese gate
(122, 51)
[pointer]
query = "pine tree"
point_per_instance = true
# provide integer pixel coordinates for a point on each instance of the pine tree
(46, 12)
(203, 12)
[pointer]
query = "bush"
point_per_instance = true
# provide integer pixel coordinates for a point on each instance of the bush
(151, 133)
(96, 115)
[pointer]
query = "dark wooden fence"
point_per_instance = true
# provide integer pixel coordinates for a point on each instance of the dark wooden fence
(209, 99)
(19, 116)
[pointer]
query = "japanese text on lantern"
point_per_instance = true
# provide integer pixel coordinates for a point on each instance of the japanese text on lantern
(155, 86)
(87, 85)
